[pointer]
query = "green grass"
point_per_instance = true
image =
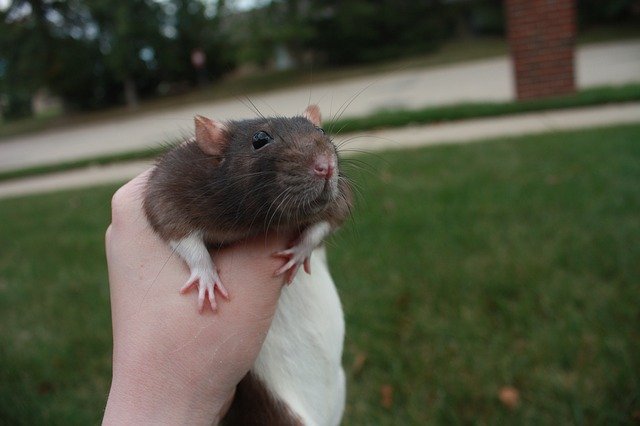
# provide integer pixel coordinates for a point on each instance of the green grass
(606, 33)
(466, 268)
(89, 162)
(392, 118)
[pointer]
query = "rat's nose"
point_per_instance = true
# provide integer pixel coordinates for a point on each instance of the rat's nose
(324, 166)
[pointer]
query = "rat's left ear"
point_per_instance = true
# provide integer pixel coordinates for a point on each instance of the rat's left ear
(210, 135)
(312, 113)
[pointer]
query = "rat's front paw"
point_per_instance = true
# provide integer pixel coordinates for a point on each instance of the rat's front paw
(207, 282)
(296, 256)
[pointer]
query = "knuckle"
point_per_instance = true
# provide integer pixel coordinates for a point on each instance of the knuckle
(119, 201)
(124, 203)
(108, 234)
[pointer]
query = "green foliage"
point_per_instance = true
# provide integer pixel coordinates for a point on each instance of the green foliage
(24, 68)
(465, 269)
(193, 30)
(87, 87)
(97, 53)
(596, 12)
(359, 31)
(18, 105)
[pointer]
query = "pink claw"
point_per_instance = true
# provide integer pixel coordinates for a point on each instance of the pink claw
(202, 295)
(193, 280)
(206, 288)
(293, 264)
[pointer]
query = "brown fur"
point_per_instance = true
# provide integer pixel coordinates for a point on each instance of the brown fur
(254, 405)
(245, 191)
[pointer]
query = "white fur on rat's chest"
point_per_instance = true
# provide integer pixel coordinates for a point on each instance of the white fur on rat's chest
(301, 358)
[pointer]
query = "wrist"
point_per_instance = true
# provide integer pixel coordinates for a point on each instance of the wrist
(141, 394)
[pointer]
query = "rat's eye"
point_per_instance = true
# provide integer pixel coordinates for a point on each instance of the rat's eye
(321, 130)
(260, 139)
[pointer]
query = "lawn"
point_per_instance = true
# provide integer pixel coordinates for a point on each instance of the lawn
(465, 269)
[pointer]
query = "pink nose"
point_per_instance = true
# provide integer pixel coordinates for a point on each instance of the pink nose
(324, 166)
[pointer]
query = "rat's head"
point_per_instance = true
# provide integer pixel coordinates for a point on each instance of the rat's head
(288, 163)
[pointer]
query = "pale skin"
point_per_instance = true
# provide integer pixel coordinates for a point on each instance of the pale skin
(172, 364)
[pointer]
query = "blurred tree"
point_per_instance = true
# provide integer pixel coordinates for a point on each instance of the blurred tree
(477, 17)
(78, 72)
(292, 27)
(190, 26)
(27, 45)
(253, 32)
(95, 53)
(595, 12)
(81, 77)
(129, 38)
(358, 31)
(54, 44)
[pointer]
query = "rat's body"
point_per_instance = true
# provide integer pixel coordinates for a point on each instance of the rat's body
(250, 177)
(298, 376)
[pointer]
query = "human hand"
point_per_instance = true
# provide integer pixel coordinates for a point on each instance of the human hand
(172, 365)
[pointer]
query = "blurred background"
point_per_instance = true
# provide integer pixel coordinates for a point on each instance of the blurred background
(490, 273)
(80, 55)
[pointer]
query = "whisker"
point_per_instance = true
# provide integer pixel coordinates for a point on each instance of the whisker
(251, 106)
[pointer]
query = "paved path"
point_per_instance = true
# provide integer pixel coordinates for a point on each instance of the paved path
(487, 80)
(456, 132)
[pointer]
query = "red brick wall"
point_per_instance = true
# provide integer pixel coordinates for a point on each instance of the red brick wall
(541, 36)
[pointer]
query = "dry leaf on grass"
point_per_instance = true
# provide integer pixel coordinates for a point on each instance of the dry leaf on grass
(358, 362)
(509, 397)
(386, 396)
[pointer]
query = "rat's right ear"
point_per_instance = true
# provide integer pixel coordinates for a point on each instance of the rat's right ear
(312, 113)
(210, 135)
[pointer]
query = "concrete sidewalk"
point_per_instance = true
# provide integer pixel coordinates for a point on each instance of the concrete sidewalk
(454, 132)
(487, 80)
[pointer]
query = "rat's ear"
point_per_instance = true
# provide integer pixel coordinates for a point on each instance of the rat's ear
(312, 113)
(210, 135)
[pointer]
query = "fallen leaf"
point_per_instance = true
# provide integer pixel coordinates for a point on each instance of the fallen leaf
(386, 396)
(358, 362)
(509, 397)
(45, 388)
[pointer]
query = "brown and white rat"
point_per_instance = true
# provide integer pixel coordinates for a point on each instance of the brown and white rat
(242, 178)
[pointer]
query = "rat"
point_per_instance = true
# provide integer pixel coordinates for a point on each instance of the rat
(241, 178)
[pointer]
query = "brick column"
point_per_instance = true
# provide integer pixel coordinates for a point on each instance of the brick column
(541, 36)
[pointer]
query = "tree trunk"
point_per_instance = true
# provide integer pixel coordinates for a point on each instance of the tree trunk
(130, 93)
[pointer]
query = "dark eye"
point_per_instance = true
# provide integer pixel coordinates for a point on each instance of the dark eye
(260, 139)
(321, 130)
